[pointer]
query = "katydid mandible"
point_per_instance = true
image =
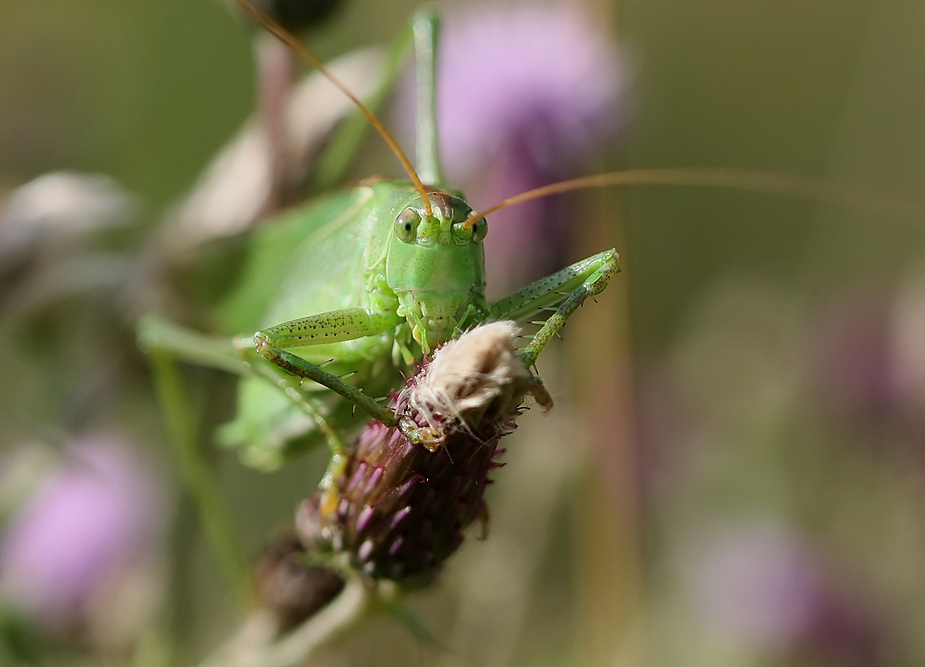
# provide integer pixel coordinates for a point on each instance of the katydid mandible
(364, 282)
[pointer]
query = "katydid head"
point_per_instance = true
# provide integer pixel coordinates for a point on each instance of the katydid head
(436, 266)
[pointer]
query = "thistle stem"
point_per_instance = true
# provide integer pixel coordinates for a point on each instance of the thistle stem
(348, 609)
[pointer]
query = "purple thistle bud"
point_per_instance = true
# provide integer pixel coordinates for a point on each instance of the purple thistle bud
(399, 509)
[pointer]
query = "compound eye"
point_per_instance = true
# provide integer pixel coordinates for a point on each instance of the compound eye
(406, 225)
(479, 230)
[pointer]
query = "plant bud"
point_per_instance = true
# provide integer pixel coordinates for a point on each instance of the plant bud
(289, 586)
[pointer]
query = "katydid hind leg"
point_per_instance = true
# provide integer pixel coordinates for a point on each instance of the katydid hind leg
(298, 367)
(158, 334)
(560, 294)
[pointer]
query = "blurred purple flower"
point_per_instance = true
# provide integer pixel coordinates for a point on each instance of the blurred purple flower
(527, 94)
(762, 587)
(540, 74)
(756, 584)
(853, 357)
(86, 522)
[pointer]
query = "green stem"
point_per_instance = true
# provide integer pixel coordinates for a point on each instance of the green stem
(198, 478)
(426, 27)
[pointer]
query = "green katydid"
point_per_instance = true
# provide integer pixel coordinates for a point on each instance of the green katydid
(365, 282)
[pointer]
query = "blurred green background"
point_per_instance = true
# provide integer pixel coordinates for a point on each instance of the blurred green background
(734, 473)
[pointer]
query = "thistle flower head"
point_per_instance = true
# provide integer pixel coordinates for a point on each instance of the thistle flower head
(400, 506)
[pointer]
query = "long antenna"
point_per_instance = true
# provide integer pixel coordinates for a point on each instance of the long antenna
(249, 8)
(750, 180)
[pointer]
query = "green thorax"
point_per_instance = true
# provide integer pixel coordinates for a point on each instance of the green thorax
(372, 247)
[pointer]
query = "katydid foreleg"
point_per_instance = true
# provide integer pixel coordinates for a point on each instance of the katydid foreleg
(156, 334)
(564, 291)
(331, 327)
